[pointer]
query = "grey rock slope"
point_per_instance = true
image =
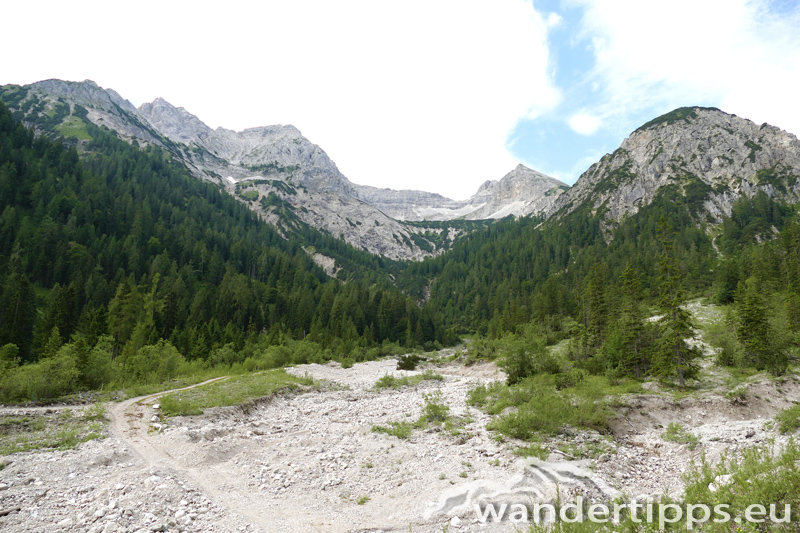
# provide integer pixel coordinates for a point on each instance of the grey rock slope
(274, 169)
(521, 192)
(711, 157)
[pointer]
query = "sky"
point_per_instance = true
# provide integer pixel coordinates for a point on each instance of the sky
(435, 95)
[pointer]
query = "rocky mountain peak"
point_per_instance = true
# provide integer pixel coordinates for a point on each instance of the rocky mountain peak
(175, 123)
(85, 93)
(718, 156)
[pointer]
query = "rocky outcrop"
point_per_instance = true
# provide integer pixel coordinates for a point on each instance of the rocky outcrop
(521, 192)
(257, 160)
(712, 157)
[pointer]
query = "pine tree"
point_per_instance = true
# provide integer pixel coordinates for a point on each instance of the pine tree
(754, 330)
(18, 317)
(632, 325)
(674, 356)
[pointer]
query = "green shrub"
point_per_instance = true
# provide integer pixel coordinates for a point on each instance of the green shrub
(484, 395)
(408, 362)
(760, 475)
(401, 430)
(525, 356)
(720, 334)
(677, 433)
(388, 381)
(50, 378)
(100, 368)
(788, 419)
(570, 378)
(435, 409)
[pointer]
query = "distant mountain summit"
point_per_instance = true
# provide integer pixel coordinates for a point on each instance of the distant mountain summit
(710, 157)
(521, 192)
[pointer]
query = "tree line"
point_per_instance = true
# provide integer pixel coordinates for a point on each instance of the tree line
(120, 247)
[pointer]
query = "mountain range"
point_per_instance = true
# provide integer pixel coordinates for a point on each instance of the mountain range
(709, 156)
(277, 171)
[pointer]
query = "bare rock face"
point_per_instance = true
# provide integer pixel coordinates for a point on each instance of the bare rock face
(307, 186)
(104, 107)
(521, 192)
(711, 157)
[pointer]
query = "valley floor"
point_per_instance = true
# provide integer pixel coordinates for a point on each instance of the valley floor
(310, 461)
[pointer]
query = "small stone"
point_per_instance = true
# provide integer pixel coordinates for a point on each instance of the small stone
(455, 522)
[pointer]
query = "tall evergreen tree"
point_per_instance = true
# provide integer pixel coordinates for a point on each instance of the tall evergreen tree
(674, 355)
(754, 330)
(632, 325)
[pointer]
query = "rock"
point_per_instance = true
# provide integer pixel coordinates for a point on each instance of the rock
(455, 522)
(651, 386)
(521, 192)
(718, 482)
(724, 152)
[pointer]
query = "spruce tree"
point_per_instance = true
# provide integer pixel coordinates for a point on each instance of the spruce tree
(632, 325)
(674, 356)
(754, 330)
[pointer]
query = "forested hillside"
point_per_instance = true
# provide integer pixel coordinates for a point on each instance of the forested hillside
(522, 280)
(118, 266)
(116, 260)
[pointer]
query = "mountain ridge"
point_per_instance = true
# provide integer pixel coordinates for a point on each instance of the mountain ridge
(283, 176)
(711, 156)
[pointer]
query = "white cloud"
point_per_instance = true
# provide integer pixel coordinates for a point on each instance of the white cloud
(733, 53)
(414, 94)
(584, 124)
(554, 20)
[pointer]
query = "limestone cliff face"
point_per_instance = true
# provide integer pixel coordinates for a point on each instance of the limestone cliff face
(257, 160)
(521, 192)
(717, 156)
(709, 155)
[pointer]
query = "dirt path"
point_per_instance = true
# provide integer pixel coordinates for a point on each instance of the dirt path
(130, 423)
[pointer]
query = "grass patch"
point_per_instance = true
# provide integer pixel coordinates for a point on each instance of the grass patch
(389, 381)
(677, 433)
(60, 430)
(533, 450)
(538, 407)
(761, 475)
(73, 127)
(401, 430)
(435, 417)
(788, 419)
(233, 391)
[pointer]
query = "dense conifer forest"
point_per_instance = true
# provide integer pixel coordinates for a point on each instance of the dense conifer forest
(118, 267)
